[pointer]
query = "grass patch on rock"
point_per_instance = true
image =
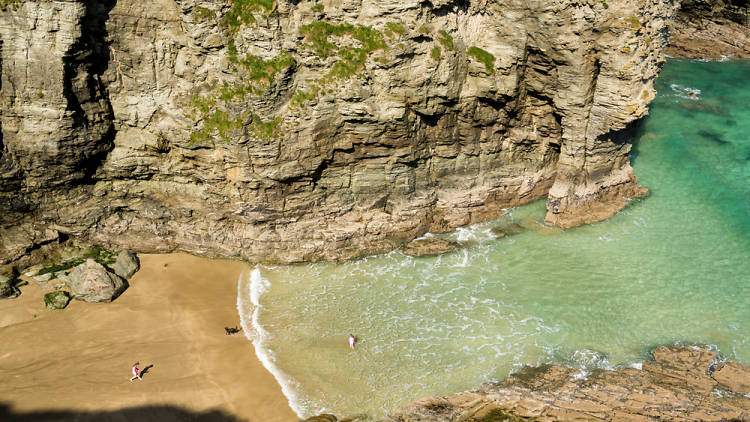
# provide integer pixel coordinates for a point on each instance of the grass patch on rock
(350, 44)
(244, 12)
(6, 4)
(445, 39)
(483, 56)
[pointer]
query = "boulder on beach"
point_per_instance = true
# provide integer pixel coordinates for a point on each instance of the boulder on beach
(56, 300)
(91, 282)
(126, 265)
(429, 246)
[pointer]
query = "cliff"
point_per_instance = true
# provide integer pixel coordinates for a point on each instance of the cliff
(679, 384)
(289, 131)
(710, 29)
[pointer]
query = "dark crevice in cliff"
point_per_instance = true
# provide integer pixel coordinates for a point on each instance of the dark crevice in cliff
(12, 205)
(445, 9)
(86, 95)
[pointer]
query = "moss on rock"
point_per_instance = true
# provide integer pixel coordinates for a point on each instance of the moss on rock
(57, 300)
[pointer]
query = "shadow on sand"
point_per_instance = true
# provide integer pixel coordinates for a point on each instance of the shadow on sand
(145, 370)
(164, 413)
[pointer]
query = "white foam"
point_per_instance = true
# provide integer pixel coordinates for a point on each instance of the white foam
(686, 92)
(254, 331)
(582, 375)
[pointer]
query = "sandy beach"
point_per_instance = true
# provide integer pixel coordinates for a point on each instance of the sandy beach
(75, 363)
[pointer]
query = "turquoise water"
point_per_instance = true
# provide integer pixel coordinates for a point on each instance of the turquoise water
(671, 268)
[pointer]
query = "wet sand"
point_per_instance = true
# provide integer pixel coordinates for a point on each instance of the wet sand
(76, 362)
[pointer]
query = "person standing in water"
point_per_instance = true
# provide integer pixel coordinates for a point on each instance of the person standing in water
(351, 340)
(136, 373)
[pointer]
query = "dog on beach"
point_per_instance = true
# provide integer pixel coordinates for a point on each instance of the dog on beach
(232, 331)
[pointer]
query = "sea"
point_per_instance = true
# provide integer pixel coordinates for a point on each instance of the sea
(673, 268)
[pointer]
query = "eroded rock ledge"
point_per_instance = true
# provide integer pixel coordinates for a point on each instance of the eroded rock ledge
(294, 131)
(712, 29)
(680, 384)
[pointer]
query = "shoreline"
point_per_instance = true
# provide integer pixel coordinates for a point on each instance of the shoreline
(61, 365)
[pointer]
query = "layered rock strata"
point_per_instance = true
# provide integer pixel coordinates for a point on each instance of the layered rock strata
(680, 384)
(290, 131)
(711, 29)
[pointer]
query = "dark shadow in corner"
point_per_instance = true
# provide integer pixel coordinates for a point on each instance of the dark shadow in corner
(158, 413)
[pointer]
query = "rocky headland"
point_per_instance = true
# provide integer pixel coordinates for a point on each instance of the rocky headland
(679, 384)
(297, 131)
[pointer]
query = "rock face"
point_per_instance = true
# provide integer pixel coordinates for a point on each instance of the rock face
(289, 131)
(681, 383)
(711, 29)
(91, 282)
(126, 265)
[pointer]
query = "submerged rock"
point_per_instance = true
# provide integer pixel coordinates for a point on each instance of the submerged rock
(503, 230)
(430, 246)
(126, 265)
(57, 300)
(91, 282)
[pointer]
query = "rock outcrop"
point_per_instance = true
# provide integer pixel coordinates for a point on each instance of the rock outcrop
(91, 282)
(680, 384)
(711, 29)
(292, 131)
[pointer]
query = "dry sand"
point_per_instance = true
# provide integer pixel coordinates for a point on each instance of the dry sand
(75, 363)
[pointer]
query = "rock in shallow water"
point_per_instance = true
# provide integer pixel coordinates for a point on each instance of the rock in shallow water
(429, 246)
(56, 300)
(92, 282)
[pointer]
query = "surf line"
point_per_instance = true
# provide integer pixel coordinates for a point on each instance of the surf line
(251, 285)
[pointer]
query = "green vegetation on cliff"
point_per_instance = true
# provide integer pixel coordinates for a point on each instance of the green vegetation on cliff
(223, 107)
(435, 53)
(5, 4)
(244, 11)
(483, 56)
(325, 40)
(446, 39)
